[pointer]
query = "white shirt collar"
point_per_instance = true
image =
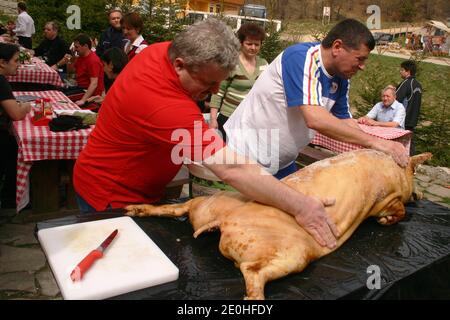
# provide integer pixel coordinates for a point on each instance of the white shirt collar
(138, 41)
(322, 65)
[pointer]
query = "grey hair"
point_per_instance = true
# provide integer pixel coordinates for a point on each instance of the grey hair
(208, 41)
(54, 25)
(116, 9)
(389, 87)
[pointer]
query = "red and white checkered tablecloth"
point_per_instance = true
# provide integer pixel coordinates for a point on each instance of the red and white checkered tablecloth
(39, 73)
(400, 135)
(39, 143)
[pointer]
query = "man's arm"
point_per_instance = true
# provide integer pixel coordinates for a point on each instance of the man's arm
(59, 64)
(367, 121)
(414, 106)
(254, 182)
(320, 119)
(63, 49)
(403, 91)
(391, 124)
(213, 118)
(351, 122)
(89, 92)
(20, 24)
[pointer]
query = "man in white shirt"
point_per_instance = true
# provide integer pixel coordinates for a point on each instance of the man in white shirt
(24, 26)
(305, 89)
(387, 113)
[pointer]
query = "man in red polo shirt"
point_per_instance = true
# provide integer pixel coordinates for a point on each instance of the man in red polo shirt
(88, 68)
(150, 121)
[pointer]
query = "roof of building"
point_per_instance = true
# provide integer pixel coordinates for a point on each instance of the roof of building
(439, 25)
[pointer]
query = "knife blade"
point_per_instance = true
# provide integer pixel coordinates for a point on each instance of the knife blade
(85, 264)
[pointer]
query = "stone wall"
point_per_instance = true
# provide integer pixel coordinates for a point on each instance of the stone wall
(434, 183)
(8, 6)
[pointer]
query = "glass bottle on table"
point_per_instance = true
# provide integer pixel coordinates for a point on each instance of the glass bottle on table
(38, 109)
(48, 110)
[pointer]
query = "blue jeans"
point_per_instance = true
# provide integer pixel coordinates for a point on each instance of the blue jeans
(86, 207)
(286, 171)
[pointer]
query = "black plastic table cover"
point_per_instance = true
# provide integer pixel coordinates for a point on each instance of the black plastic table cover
(413, 257)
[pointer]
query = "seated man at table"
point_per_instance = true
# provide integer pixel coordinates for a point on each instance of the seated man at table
(305, 88)
(88, 69)
(387, 113)
(10, 110)
(114, 61)
(53, 48)
(150, 123)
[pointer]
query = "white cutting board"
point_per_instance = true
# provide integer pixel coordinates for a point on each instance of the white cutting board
(131, 262)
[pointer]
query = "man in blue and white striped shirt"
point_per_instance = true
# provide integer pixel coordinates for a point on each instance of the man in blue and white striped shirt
(387, 113)
(304, 90)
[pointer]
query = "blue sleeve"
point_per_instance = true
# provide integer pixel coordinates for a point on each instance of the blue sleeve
(341, 108)
(300, 76)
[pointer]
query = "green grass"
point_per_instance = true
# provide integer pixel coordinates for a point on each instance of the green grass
(434, 79)
(213, 184)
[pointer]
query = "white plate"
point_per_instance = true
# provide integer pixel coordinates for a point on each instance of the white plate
(70, 112)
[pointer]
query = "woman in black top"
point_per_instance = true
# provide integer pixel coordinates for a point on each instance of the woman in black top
(10, 110)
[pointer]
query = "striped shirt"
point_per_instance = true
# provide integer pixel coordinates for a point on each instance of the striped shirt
(306, 82)
(234, 89)
(268, 126)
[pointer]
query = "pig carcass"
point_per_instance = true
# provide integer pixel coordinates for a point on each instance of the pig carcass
(267, 243)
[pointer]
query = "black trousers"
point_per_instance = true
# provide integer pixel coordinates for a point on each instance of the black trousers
(70, 91)
(25, 42)
(8, 168)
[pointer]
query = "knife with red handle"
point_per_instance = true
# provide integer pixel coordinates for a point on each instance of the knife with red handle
(85, 264)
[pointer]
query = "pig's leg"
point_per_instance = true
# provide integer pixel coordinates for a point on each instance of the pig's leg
(167, 210)
(393, 213)
(258, 273)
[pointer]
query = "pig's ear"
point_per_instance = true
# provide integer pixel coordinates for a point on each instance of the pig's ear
(419, 159)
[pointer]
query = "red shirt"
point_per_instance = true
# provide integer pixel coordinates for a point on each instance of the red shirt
(128, 158)
(133, 50)
(89, 67)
